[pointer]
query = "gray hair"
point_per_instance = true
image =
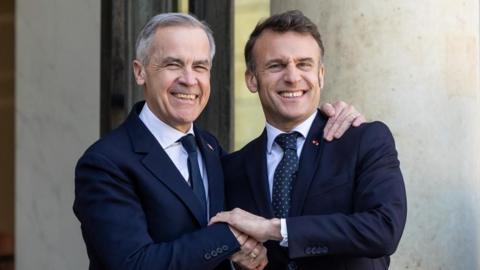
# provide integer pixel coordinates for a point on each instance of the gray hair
(145, 37)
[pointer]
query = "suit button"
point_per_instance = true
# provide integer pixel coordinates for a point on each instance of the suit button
(219, 250)
(225, 247)
(292, 266)
(214, 253)
(207, 256)
(308, 250)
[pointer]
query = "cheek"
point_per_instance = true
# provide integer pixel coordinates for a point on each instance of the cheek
(313, 80)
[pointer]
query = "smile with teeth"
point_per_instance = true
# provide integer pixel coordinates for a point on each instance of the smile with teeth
(291, 94)
(185, 96)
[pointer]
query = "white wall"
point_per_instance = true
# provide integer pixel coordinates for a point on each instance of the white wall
(57, 117)
(415, 65)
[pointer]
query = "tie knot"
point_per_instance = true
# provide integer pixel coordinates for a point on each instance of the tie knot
(189, 143)
(287, 140)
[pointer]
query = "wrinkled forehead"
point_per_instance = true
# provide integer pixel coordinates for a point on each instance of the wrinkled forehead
(181, 42)
(286, 45)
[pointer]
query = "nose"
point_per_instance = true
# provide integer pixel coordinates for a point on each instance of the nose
(188, 78)
(292, 74)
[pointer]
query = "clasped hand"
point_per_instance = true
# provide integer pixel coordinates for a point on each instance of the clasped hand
(251, 231)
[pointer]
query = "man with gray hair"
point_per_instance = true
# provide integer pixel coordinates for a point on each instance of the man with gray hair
(144, 192)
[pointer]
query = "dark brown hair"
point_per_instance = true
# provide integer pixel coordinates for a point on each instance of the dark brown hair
(292, 20)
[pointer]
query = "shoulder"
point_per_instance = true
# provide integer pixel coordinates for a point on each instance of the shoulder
(115, 143)
(207, 136)
(367, 138)
(367, 131)
(237, 157)
(375, 132)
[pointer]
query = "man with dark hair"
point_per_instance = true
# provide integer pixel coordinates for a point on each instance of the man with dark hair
(324, 205)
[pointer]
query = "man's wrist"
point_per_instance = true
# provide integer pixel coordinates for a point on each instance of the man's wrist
(274, 229)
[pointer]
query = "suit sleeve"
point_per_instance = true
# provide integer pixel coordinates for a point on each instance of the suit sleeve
(377, 222)
(115, 228)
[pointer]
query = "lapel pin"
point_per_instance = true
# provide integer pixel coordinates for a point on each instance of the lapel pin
(315, 142)
(209, 146)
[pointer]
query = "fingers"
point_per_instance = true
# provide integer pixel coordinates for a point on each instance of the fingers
(333, 123)
(220, 217)
(328, 109)
(263, 259)
(248, 248)
(234, 217)
(251, 256)
(359, 120)
(345, 121)
(345, 116)
(241, 237)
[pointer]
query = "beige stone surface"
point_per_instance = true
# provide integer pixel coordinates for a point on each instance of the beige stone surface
(415, 66)
(57, 118)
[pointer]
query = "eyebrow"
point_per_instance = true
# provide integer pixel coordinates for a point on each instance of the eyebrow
(305, 59)
(202, 62)
(280, 60)
(170, 59)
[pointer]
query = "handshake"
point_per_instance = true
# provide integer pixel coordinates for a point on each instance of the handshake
(251, 232)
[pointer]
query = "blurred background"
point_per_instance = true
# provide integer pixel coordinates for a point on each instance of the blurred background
(65, 79)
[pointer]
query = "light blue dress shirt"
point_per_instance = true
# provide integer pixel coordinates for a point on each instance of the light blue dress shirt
(275, 154)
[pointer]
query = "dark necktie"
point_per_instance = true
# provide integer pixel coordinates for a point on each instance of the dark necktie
(285, 173)
(195, 180)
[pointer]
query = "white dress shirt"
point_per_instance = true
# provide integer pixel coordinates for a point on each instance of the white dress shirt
(275, 154)
(168, 138)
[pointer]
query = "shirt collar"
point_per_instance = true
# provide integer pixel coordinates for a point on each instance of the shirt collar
(166, 135)
(302, 128)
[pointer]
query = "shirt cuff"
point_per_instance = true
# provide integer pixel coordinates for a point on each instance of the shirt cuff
(283, 232)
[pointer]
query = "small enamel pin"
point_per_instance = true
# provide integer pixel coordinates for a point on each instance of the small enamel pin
(209, 146)
(316, 142)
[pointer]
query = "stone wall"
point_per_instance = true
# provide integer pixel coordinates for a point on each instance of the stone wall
(57, 118)
(415, 66)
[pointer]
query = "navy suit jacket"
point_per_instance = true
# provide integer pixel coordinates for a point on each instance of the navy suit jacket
(348, 207)
(137, 211)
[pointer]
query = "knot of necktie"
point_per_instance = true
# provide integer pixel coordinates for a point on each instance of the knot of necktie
(189, 143)
(287, 140)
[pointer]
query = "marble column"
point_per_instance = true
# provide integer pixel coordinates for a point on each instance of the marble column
(415, 66)
(57, 116)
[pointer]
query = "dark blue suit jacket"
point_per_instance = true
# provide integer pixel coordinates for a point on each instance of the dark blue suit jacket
(137, 211)
(348, 206)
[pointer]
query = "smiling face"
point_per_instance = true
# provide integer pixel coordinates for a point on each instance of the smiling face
(176, 79)
(288, 77)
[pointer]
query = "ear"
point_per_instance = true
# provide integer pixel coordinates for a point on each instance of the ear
(321, 76)
(139, 72)
(251, 81)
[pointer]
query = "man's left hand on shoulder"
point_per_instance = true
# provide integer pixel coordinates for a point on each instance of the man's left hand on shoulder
(341, 116)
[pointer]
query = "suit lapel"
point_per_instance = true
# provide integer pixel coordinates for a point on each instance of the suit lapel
(309, 163)
(160, 165)
(214, 172)
(256, 169)
(158, 162)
